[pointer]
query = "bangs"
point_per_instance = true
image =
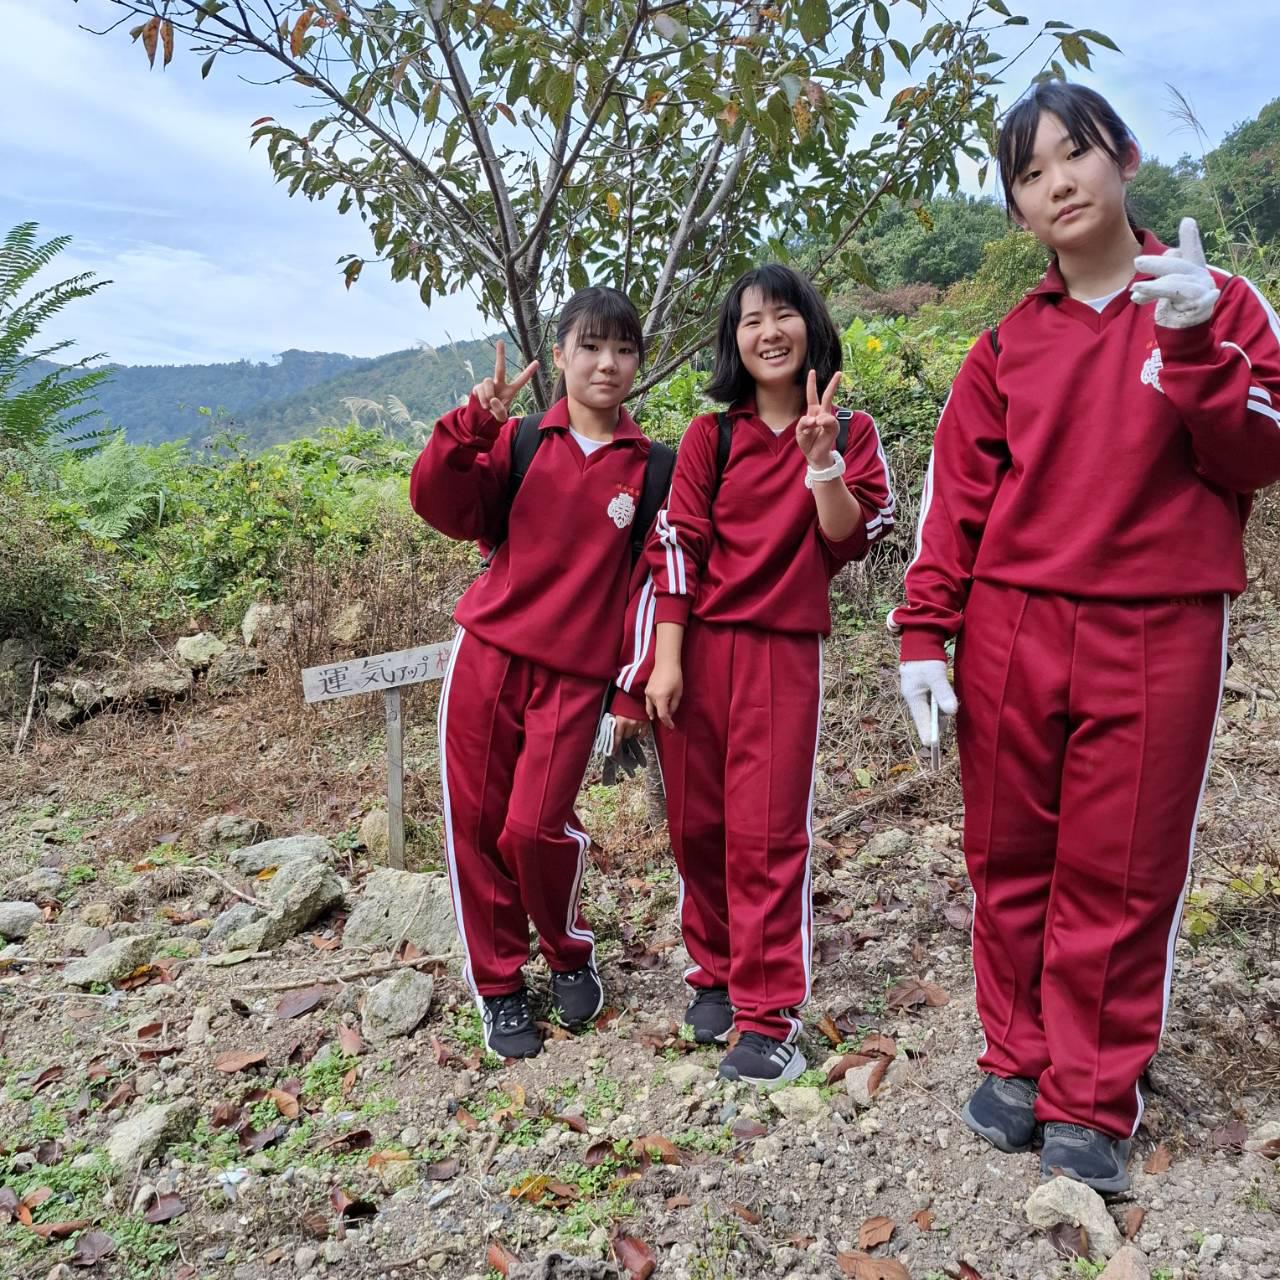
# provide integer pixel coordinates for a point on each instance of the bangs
(602, 314)
(777, 284)
(1089, 119)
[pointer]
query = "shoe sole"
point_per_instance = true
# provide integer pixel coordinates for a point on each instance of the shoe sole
(995, 1136)
(793, 1070)
(1103, 1186)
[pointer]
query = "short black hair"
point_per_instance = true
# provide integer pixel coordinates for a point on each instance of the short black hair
(598, 312)
(730, 382)
(1090, 121)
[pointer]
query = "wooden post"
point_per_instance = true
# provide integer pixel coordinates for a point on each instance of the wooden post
(395, 780)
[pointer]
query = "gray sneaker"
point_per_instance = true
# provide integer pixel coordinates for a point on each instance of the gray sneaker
(1096, 1159)
(1004, 1112)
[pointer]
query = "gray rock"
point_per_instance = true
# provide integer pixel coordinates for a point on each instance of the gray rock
(112, 961)
(17, 663)
(152, 682)
(305, 1257)
(885, 846)
(39, 885)
(801, 1103)
(1064, 1200)
(1265, 1138)
(857, 1084)
(85, 695)
(228, 671)
(395, 905)
(254, 858)
(198, 1027)
(230, 829)
(351, 625)
(18, 918)
(199, 650)
(298, 892)
(60, 713)
(143, 1137)
(688, 1075)
(375, 833)
(235, 917)
(1210, 1247)
(265, 624)
(396, 1005)
(1129, 1264)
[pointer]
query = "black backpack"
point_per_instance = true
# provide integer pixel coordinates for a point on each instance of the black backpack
(724, 440)
(657, 481)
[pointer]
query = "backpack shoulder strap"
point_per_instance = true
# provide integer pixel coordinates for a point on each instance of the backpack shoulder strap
(994, 334)
(724, 442)
(843, 418)
(657, 484)
(528, 436)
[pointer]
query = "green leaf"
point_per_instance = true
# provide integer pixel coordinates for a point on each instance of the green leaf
(207, 65)
(998, 6)
(900, 52)
(1098, 38)
(882, 16)
(815, 20)
(432, 104)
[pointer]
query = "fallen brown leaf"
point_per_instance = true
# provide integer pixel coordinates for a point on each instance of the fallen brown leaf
(749, 1216)
(442, 1170)
(745, 1130)
(165, 1208)
(1159, 1160)
(356, 1140)
(923, 1218)
(876, 1075)
(598, 1153)
(350, 1043)
(635, 1256)
(827, 1025)
(38, 1080)
(36, 1197)
(678, 1202)
(380, 1159)
(966, 1272)
(499, 1257)
(875, 1231)
(1070, 1241)
(845, 1064)
(322, 944)
(151, 1029)
(91, 1248)
(465, 1119)
(348, 1206)
(296, 1003)
(882, 1044)
(59, 1230)
(910, 993)
(655, 1146)
(1234, 1135)
(862, 1266)
(286, 1103)
(576, 1123)
(1133, 1219)
(239, 1059)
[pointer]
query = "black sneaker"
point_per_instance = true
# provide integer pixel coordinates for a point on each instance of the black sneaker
(1004, 1112)
(509, 1029)
(576, 997)
(758, 1059)
(710, 1015)
(1096, 1159)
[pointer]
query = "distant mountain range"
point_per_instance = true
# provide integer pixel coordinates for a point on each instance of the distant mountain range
(270, 402)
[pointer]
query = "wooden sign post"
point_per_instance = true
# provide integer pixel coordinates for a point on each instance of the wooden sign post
(387, 673)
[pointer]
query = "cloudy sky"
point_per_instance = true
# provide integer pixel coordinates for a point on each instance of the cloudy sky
(151, 173)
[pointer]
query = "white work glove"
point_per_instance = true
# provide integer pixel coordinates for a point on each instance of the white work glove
(918, 681)
(1183, 290)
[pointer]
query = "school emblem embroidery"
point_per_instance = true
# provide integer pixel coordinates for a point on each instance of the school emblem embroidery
(1151, 370)
(622, 510)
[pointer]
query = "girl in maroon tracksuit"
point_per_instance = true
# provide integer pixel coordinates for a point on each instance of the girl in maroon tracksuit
(740, 565)
(534, 655)
(1080, 535)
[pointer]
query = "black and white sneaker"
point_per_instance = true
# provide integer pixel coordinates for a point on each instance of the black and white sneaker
(1004, 1112)
(576, 997)
(1096, 1159)
(509, 1029)
(710, 1015)
(759, 1059)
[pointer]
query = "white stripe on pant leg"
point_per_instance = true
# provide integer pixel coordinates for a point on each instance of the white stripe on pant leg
(1191, 853)
(806, 905)
(575, 896)
(442, 723)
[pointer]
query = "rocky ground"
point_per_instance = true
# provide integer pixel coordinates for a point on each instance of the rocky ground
(233, 1044)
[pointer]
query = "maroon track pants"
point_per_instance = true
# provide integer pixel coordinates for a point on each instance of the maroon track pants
(1084, 730)
(515, 738)
(738, 772)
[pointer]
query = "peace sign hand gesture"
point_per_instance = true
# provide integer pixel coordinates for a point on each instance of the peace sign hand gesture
(496, 394)
(816, 431)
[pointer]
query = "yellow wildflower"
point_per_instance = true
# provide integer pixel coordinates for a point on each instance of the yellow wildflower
(873, 344)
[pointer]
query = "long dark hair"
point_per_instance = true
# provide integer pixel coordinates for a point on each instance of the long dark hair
(1090, 121)
(730, 382)
(598, 312)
